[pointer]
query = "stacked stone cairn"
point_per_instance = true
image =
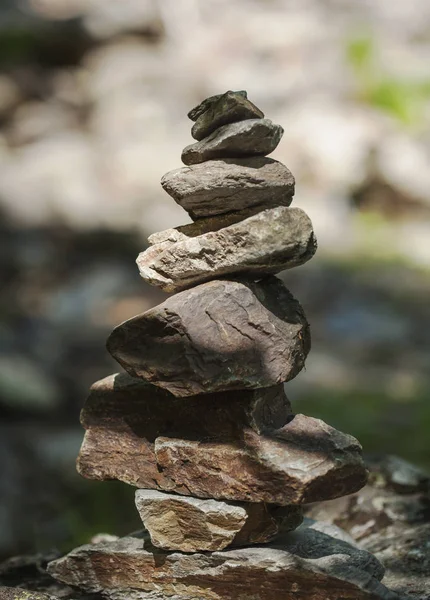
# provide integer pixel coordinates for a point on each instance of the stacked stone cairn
(200, 423)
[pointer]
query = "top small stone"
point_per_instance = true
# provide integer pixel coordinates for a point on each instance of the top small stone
(198, 110)
(221, 110)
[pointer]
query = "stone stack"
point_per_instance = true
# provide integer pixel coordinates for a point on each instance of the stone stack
(200, 422)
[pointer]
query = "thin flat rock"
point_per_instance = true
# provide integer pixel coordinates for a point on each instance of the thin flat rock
(220, 335)
(198, 110)
(268, 242)
(231, 107)
(253, 137)
(191, 524)
(306, 563)
(242, 446)
(230, 185)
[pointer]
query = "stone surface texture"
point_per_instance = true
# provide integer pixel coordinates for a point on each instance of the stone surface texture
(231, 107)
(198, 110)
(220, 335)
(306, 563)
(253, 137)
(390, 517)
(192, 524)
(229, 185)
(271, 241)
(8, 593)
(242, 446)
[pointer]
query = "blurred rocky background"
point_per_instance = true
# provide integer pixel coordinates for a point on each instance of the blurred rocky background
(93, 103)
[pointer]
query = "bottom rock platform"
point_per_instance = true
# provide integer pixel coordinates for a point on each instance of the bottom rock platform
(315, 562)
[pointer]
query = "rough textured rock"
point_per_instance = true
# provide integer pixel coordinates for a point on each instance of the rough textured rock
(7, 593)
(229, 185)
(198, 110)
(229, 108)
(397, 492)
(271, 241)
(241, 446)
(393, 473)
(192, 524)
(220, 335)
(306, 563)
(372, 510)
(405, 552)
(253, 137)
(391, 518)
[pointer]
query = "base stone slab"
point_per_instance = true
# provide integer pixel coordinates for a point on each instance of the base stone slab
(307, 563)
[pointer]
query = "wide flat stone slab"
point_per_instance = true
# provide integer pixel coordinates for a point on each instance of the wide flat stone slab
(242, 446)
(191, 524)
(268, 242)
(220, 335)
(253, 137)
(229, 185)
(217, 111)
(304, 564)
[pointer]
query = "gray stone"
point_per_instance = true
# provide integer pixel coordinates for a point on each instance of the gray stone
(394, 473)
(229, 108)
(405, 552)
(192, 524)
(198, 110)
(229, 185)
(220, 335)
(9, 593)
(306, 563)
(243, 446)
(397, 493)
(253, 137)
(268, 242)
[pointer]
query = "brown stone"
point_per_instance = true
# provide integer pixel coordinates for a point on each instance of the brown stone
(230, 185)
(192, 524)
(307, 564)
(220, 335)
(253, 137)
(271, 241)
(228, 108)
(241, 446)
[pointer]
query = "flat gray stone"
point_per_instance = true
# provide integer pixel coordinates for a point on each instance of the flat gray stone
(191, 524)
(306, 563)
(195, 112)
(253, 137)
(229, 185)
(268, 242)
(220, 335)
(243, 446)
(231, 107)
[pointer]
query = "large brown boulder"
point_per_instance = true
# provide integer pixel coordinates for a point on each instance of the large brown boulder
(220, 335)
